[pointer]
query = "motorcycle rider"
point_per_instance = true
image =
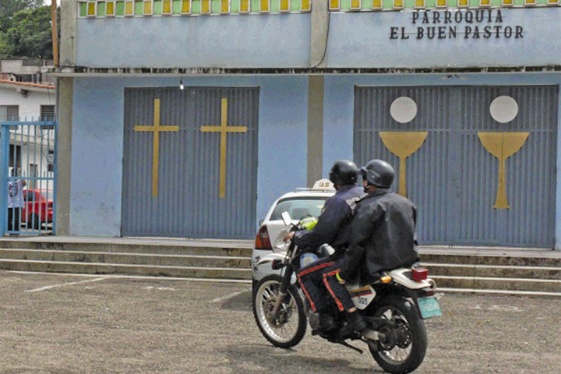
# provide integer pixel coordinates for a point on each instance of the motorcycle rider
(382, 237)
(331, 228)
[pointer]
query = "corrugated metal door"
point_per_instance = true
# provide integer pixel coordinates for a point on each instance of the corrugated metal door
(190, 162)
(449, 157)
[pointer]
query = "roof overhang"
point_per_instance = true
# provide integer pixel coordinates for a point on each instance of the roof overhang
(183, 72)
(24, 87)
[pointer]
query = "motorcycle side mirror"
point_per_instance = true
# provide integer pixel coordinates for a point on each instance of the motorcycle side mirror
(286, 218)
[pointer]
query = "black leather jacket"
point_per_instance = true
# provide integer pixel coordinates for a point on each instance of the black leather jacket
(383, 236)
(332, 226)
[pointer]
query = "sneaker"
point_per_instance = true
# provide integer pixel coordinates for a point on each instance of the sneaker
(356, 322)
(326, 323)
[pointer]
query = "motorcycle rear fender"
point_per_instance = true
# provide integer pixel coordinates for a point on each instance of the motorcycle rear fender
(399, 277)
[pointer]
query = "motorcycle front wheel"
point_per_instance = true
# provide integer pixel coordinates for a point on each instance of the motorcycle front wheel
(289, 327)
(404, 345)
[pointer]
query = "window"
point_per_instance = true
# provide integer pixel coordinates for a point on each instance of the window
(206, 6)
(285, 5)
(110, 8)
(245, 6)
(167, 7)
(47, 112)
(334, 5)
(265, 6)
(92, 8)
(9, 112)
(129, 8)
(15, 157)
(147, 8)
(225, 6)
(299, 208)
(185, 6)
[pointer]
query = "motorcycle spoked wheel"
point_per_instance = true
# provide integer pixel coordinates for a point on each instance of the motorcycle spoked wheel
(289, 328)
(405, 345)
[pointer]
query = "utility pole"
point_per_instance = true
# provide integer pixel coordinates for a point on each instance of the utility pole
(55, 32)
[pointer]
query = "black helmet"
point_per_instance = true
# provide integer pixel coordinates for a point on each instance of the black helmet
(378, 173)
(343, 172)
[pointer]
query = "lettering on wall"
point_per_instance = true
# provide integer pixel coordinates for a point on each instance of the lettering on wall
(457, 24)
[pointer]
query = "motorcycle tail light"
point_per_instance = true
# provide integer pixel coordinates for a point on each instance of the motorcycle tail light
(420, 274)
(262, 240)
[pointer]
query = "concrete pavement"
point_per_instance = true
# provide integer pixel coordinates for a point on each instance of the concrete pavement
(69, 324)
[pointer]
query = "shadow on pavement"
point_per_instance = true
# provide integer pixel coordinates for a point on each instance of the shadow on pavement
(260, 358)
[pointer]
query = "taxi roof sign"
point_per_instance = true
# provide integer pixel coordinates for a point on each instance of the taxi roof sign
(323, 184)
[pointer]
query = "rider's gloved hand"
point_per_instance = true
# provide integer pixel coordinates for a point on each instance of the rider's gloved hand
(288, 236)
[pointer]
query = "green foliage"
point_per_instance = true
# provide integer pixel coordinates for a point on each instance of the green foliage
(15, 17)
(30, 34)
(3, 46)
(10, 7)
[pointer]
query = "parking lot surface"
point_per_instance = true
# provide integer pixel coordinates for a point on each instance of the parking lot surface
(98, 324)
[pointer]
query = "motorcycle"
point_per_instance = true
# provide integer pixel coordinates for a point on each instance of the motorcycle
(394, 308)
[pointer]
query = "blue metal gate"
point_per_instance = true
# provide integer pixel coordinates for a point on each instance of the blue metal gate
(190, 162)
(28, 169)
(478, 161)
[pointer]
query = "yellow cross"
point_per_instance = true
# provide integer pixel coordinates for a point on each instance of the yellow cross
(223, 129)
(156, 148)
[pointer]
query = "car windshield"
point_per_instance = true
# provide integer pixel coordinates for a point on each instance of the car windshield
(299, 207)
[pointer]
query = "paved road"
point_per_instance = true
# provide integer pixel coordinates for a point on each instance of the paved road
(73, 324)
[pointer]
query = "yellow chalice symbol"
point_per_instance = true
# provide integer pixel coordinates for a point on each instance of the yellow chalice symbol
(502, 145)
(403, 145)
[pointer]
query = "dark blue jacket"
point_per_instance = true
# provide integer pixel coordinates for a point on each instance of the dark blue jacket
(333, 223)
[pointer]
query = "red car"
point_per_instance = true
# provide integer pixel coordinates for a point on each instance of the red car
(37, 209)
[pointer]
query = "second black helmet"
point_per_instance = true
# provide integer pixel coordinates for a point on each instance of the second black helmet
(343, 172)
(378, 173)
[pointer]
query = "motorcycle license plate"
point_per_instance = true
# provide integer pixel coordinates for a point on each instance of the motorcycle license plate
(429, 307)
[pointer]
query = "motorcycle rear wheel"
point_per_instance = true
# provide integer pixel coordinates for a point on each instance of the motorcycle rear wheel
(289, 328)
(405, 348)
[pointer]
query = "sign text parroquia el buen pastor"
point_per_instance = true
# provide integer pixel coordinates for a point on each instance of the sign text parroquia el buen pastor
(457, 24)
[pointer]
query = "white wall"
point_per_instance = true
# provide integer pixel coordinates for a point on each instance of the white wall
(31, 152)
(30, 104)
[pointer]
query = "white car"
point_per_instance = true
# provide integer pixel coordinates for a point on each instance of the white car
(300, 203)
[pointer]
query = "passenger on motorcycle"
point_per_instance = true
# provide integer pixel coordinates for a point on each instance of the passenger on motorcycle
(332, 228)
(383, 233)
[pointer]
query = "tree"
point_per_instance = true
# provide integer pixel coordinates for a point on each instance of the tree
(30, 34)
(3, 45)
(10, 7)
